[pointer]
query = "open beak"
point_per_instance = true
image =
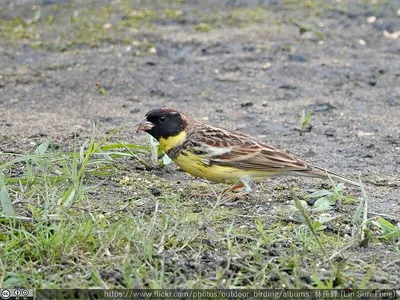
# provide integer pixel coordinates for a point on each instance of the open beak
(145, 125)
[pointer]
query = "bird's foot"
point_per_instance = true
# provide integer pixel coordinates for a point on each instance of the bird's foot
(223, 194)
(234, 199)
(228, 197)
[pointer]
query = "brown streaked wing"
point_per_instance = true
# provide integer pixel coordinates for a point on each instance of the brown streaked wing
(258, 158)
(246, 152)
(218, 137)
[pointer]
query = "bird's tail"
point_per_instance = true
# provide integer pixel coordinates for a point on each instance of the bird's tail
(322, 173)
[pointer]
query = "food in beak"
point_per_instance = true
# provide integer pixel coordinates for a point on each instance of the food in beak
(145, 125)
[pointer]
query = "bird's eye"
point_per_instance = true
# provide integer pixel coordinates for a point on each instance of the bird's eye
(162, 119)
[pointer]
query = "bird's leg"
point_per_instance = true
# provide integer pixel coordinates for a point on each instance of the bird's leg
(235, 187)
(227, 196)
(246, 182)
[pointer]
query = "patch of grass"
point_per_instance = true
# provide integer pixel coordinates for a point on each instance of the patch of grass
(138, 17)
(237, 17)
(304, 28)
(202, 27)
(310, 4)
(243, 16)
(326, 199)
(305, 119)
(17, 29)
(72, 219)
(174, 14)
(77, 25)
(388, 231)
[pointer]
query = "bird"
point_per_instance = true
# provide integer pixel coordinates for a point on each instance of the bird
(222, 155)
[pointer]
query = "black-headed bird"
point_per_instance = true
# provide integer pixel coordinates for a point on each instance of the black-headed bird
(222, 155)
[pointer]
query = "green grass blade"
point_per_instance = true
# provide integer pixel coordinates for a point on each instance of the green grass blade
(5, 199)
(307, 219)
(319, 194)
(42, 148)
(126, 145)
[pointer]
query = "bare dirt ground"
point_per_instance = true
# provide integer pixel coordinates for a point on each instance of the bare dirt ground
(253, 66)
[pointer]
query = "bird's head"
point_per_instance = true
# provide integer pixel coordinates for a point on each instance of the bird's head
(163, 122)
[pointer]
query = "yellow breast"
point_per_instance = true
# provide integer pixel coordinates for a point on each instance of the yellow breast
(172, 141)
(194, 164)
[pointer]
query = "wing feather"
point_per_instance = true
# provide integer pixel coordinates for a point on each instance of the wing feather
(233, 149)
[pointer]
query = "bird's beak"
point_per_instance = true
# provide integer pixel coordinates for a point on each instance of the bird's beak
(144, 125)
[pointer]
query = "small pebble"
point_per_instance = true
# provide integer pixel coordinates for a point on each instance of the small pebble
(266, 65)
(247, 104)
(310, 36)
(155, 191)
(362, 42)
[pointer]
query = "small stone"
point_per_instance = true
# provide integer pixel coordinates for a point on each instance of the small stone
(107, 26)
(155, 191)
(371, 19)
(287, 87)
(247, 104)
(134, 110)
(152, 50)
(310, 36)
(362, 42)
(266, 66)
(372, 81)
(393, 35)
(330, 132)
(363, 133)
